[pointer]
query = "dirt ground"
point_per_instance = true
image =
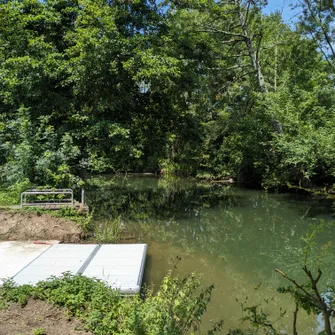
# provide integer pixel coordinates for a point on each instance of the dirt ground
(17, 320)
(30, 226)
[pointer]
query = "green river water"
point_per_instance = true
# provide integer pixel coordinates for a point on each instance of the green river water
(234, 238)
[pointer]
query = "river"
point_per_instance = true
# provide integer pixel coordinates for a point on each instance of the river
(233, 238)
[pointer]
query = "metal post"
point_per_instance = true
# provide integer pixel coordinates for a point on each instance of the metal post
(82, 197)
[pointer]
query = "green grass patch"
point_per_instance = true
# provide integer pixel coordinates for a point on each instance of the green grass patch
(175, 309)
(107, 231)
(39, 331)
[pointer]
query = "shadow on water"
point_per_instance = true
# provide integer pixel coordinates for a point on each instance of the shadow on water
(234, 237)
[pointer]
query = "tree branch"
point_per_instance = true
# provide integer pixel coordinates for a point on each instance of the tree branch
(218, 31)
(298, 286)
(295, 316)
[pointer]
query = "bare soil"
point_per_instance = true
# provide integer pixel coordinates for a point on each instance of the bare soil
(38, 314)
(16, 226)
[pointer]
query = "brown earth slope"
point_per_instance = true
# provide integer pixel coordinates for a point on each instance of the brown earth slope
(30, 226)
(38, 314)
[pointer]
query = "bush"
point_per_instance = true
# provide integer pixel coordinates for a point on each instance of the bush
(11, 195)
(174, 310)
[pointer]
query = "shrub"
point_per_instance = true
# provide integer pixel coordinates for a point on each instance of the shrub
(174, 310)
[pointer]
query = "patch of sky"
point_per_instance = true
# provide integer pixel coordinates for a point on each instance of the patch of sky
(288, 8)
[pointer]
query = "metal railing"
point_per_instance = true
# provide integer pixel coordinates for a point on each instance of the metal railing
(47, 197)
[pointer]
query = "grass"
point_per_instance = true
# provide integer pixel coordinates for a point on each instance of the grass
(174, 310)
(39, 331)
(108, 231)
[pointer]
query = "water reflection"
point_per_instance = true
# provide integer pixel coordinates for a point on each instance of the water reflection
(234, 237)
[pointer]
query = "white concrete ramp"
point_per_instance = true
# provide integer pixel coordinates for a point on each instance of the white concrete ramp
(54, 261)
(121, 265)
(15, 255)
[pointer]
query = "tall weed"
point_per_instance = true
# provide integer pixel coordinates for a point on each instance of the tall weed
(108, 231)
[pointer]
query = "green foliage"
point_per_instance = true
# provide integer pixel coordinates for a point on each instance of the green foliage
(108, 231)
(317, 20)
(311, 296)
(11, 195)
(12, 293)
(204, 89)
(84, 220)
(39, 331)
(38, 154)
(174, 310)
(259, 320)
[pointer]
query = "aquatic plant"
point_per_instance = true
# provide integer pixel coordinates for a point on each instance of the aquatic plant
(108, 231)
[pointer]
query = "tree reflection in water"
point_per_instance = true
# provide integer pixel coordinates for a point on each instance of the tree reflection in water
(235, 237)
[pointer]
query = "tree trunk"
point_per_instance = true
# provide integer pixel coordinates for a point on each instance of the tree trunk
(252, 53)
(254, 58)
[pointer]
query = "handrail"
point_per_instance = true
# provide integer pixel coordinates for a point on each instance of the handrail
(60, 202)
(61, 190)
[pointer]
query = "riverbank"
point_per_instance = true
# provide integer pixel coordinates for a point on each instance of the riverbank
(21, 225)
(38, 317)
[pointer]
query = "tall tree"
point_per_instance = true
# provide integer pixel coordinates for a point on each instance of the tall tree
(317, 20)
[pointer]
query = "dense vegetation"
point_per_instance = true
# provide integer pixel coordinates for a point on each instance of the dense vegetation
(174, 310)
(202, 88)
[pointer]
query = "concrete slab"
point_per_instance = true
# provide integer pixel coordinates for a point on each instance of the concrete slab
(120, 265)
(15, 255)
(56, 260)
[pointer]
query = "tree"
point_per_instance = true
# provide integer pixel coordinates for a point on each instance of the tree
(317, 21)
